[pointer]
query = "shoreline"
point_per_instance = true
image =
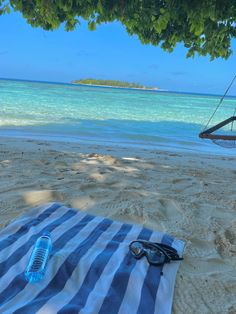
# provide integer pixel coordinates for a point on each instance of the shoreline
(189, 196)
(206, 149)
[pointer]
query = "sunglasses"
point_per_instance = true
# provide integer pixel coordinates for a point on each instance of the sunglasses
(156, 253)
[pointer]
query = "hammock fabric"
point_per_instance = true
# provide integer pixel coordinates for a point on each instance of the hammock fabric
(208, 133)
(223, 140)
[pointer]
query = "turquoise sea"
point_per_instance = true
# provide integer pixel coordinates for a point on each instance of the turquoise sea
(124, 117)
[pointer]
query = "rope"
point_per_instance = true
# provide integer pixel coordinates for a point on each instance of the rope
(232, 125)
(220, 102)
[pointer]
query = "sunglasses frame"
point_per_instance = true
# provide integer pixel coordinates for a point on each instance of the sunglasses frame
(168, 253)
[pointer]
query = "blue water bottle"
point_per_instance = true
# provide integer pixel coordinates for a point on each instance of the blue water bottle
(36, 268)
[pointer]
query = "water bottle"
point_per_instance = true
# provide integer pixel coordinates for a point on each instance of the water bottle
(36, 268)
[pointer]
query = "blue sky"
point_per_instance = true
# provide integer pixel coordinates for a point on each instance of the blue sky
(107, 53)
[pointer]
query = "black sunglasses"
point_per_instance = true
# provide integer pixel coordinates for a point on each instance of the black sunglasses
(156, 253)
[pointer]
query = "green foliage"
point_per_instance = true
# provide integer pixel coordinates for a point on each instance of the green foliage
(108, 83)
(204, 27)
(4, 7)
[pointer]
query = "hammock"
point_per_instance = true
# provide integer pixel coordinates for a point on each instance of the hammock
(224, 140)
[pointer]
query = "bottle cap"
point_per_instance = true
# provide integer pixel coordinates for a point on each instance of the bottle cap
(46, 234)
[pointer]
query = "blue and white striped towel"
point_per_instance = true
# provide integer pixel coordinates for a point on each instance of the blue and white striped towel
(90, 270)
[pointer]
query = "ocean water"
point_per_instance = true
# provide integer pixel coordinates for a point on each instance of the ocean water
(122, 117)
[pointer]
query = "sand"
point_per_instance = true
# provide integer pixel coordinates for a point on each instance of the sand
(190, 196)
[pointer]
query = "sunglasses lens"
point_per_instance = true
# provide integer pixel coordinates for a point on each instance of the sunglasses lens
(136, 249)
(155, 257)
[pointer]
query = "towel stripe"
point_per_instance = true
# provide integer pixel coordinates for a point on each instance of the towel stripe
(151, 284)
(82, 228)
(132, 296)
(8, 251)
(167, 239)
(20, 266)
(116, 292)
(21, 251)
(25, 228)
(23, 219)
(90, 270)
(166, 288)
(100, 289)
(77, 278)
(19, 282)
(64, 272)
(94, 272)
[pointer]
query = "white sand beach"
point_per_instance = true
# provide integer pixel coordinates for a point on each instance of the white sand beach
(190, 196)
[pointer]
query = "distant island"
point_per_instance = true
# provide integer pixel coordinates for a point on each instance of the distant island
(112, 83)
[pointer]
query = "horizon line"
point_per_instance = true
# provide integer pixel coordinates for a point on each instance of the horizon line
(130, 88)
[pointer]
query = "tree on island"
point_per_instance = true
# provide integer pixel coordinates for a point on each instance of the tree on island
(204, 27)
(115, 83)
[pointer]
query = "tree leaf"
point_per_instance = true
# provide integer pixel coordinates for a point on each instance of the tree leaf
(204, 27)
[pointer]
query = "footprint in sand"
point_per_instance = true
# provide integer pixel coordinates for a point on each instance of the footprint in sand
(189, 186)
(201, 248)
(226, 241)
(43, 144)
(61, 164)
(205, 266)
(41, 162)
(167, 209)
